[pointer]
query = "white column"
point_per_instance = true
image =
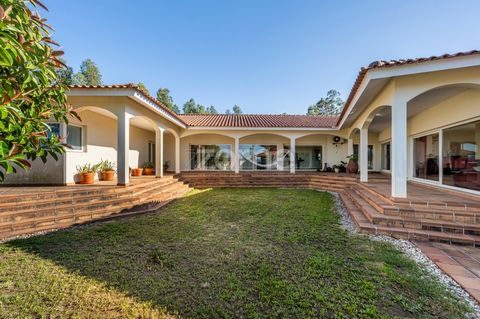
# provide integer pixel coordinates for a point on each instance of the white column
(159, 152)
(363, 150)
(349, 146)
(399, 149)
(123, 141)
(292, 155)
(280, 156)
(177, 155)
(236, 156)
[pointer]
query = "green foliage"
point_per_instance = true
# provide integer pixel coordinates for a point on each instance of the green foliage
(106, 165)
(212, 110)
(163, 96)
(332, 104)
(65, 74)
(87, 168)
(148, 165)
(142, 87)
(90, 72)
(190, 107)
(79, 79)
(30, 88)
(236, 109)
(353, 157)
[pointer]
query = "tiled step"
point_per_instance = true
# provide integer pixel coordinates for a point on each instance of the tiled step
(365, 226)
(409, 220)
(54, 212)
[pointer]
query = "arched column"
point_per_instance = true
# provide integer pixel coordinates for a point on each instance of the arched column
(236, 155)
(399, 159)
(292, 154)
(177, 154)
(123, 138)
(159, 151)
(363, 150)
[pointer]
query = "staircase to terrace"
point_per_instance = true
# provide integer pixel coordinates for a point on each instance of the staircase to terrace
(428, 213)
(27, 210)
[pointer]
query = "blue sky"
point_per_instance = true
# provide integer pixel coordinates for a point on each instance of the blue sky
(268, 56)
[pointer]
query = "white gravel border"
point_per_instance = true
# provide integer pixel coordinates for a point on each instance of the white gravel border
(412, 252)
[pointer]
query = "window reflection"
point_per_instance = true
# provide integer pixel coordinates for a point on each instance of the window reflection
(210, 157)
(461, 158)
(258, 157)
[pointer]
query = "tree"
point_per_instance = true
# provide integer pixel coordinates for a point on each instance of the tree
(65, 74)
(142, 87)
(163, 96)
(190, 107)
(212, 110)
(330, 105)
(201, 109)
(227, 111)
(90, 71)
(31, 91)
(236, 109)
(79, 79)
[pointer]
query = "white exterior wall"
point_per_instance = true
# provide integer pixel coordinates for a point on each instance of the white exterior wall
(100, 142)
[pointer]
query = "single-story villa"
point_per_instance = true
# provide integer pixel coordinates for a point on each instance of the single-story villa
(416, 119)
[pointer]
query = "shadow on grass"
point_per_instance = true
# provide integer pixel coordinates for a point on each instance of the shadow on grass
(241, 253)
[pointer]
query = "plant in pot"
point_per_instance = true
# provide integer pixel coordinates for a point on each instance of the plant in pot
(166, 165)
(352, 166)
(136, 171)
(340, 168)
(86, 173)
(148, 168)
(107, 170)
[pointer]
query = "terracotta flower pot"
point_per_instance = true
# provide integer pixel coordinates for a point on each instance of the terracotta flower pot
(86, 178)
(148, 171)
(352, 167)
(137, 172)
(108, 175)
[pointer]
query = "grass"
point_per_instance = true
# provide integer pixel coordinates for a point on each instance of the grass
(252, 253)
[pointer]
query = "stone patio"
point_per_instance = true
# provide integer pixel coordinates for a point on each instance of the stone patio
(459, 262)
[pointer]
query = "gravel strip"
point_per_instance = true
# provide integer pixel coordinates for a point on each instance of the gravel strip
(412, 252)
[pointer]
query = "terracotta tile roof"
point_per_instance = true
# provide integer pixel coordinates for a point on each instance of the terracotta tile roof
(258, 120)
(131, 86)
(393, 63)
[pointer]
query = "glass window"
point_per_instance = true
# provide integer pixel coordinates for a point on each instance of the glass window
(151, 152)
(425, 157)
(210, 157)
(461, 158)
(74, 137)
(54, 129)
(370, 154)
(258, 157)
(309, 157)
(386, 156)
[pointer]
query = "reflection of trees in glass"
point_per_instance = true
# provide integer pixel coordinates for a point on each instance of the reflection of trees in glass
(210, 157)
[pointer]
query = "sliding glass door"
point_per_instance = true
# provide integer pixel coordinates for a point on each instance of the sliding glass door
(461, 156)
(426, 157)
(258, 157)
(210, 157)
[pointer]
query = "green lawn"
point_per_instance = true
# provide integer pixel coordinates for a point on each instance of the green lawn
(252, 253)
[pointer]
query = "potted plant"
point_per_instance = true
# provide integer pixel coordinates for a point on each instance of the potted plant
(148, 168)
(107, 170)
(340, 168)
(352, 166)
(86, 173)
(166, 165)
(137, 171)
